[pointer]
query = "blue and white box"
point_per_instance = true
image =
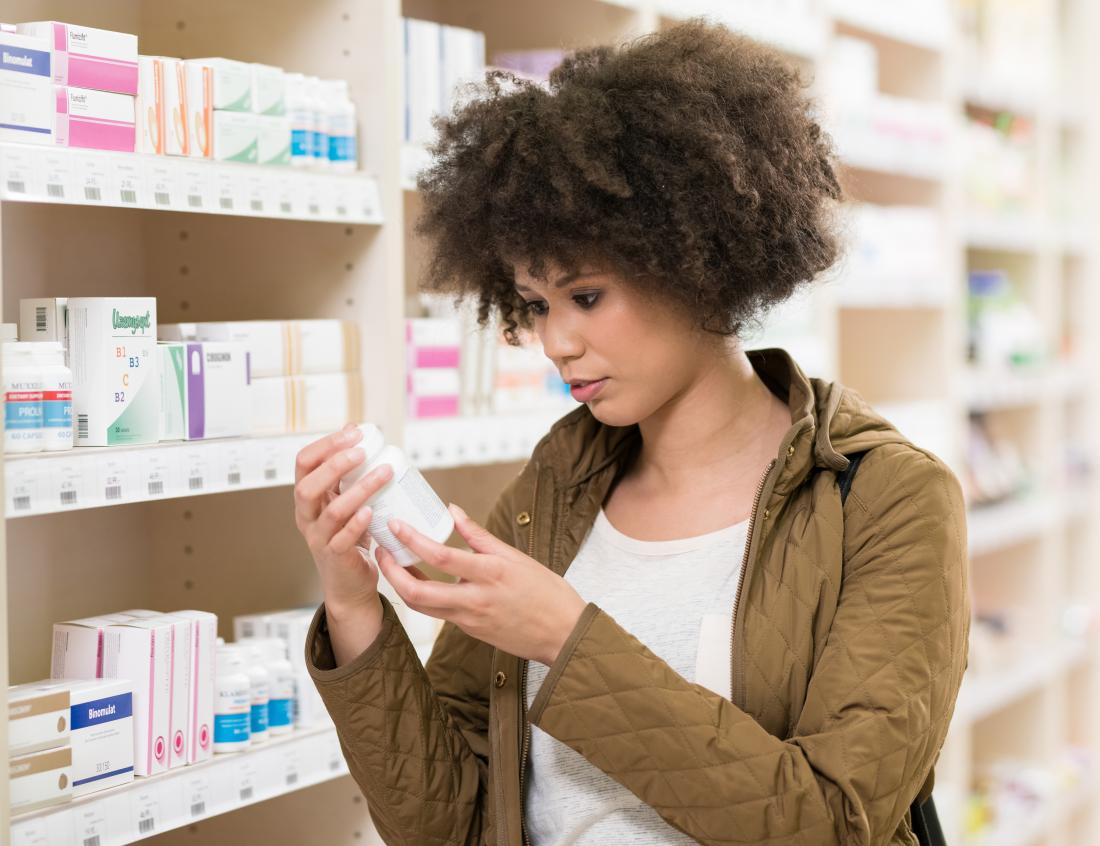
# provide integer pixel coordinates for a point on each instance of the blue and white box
(102, 735)
(26, 89)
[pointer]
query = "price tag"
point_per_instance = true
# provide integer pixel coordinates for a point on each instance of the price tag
(146, 812)
(90, 826)
(197, 477)
(24, 483)
(291, 761)
(20, 180)
(129, 181)
(245, 781)
(370, 203)
(116, 479)
(69, 484)
(57, 175)
(257, 192)
(197, 797)
(229, 189)
(270, 461)
(159, 473)
(162, 180)
(342, 191)
(314, 196)
(196, 191)
(30, 833)
(285, 192)
(92, 177)
(234, 462)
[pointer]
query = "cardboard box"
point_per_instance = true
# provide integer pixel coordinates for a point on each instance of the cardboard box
(44, 319)
(199, 85)
(232, 84)
(272, 140)
(26, 90)
(204, 390)
(268, 90)
(38, 717)
(102, 738)
(94, 120)
(140, 652)
(272, 405)
(149, 108)
(236, 137)
(324, 346)
(200, 715)
(40, 779)
(180, 706)
(84, 57)
(267, 342)
(78, 648)
(325, 402)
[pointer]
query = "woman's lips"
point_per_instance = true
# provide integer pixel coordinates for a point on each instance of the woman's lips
(586, 391)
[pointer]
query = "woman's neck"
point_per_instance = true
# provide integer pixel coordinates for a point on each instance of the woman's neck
(726, 421)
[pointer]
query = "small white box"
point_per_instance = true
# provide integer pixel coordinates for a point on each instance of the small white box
(179, 708)
(44, 319)
(324, 346)
(103, 734)
(140, 652)
(200, 715)
(199, 87)
(40, 779)
(325, 402)
(78, 648)
(112, 353)
(235, 137)
(268, 90)
(204, 390)
(26, 89)
(272, 140)
(84, 57)
(267, 343)
(149, 107)
(177, 136)
(247, 626)
(232, 84)
(272, 406)
(177, 332)
(38, 717)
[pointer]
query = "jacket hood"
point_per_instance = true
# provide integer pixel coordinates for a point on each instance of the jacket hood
(828, 421)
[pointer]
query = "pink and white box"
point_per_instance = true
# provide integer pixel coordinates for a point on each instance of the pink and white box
(95, 120)
(179, 704)
(78, 648)
(84, 57)
(433, 392)
(200, 713)
(141, 651)
(433, 342)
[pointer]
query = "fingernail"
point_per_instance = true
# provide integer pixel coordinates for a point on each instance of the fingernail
(354, 456)
(457, 511)
(350, 436)
(396, 526)
(384, 470)
(363, 513)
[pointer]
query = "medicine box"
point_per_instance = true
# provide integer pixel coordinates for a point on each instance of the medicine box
(95, 120)
(177, 138)
(161, 107)
(177, 332)
(102, 734)
(204, 389)
(268, 90)
(433, 342)
(272, 405)
(324, 402)
(78, 648)
(231, 82)
(26, 90)
(44, 319)
(38, 717)
(235, 137)
(267, 342)
(200, 714)
(199, 100)
(324, 346)
(113, 356)
(140, 652)
(180, 704)
(40, 779)
(84, 57)
(272, 139)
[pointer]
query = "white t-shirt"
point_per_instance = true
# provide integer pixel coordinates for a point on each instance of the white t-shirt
(677, 598)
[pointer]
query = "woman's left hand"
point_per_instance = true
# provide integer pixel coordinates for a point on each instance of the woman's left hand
(503, 597)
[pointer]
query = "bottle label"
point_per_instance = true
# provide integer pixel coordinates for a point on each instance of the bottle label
(259, 718)
(278, 713)
(341, 148)
(301, 143)
(57, 409)
(23, 410)
(231, 728)
(319, 145)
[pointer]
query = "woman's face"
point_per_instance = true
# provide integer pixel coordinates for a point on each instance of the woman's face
(624, 352)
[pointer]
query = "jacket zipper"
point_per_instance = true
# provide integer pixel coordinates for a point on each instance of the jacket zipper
(744, 570)
(523, 680)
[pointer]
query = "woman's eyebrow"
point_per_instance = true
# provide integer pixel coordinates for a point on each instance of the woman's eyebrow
(565, 280)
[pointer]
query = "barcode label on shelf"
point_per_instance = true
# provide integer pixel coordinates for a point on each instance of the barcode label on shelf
(17, 186)
(246, 793)
(92, 193)
(92, 168)
(69, 497)
(233, 478)
(145, 810)
(21, 503)
(198, 809)
(195, 483)
(146, 826)
(291, 778)
(285, 207)
(291, 766)
(55, 192)
(196, 795)
(270, 474)
(57, 174)
(112, 492)
(92, 841)
(256, 205)
(246, 780)
(90, 825)
(194, 201)
(128, 177)
(162, 198)
(156, 487)
(225, 203)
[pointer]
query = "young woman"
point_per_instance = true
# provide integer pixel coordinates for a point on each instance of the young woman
(672, 629)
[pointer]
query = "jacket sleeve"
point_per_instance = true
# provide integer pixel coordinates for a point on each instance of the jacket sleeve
(877, 706)
(415, 738)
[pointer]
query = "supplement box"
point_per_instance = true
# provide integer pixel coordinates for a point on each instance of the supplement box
(199, 100)
(179, 664)
(433, 342)
(204, 389)
(272, 405)
(26, 90)
(325, 402)
(140, 651)
(433, 392)
(113, 356)
(235, 137)
(324, 346)
(38, 717)
(200, 713)
(78, 648)
(161, 107)
(44, 319)
(84, 57)
(267, 342)
(231, 83)
(40, 779)
(102, 734)
(268, 90)
(94, 120)
(272, 140)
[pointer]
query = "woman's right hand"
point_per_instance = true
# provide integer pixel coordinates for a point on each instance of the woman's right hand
(332, 524)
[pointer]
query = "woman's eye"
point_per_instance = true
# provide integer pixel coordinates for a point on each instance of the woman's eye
(586, 300)
(536, 307)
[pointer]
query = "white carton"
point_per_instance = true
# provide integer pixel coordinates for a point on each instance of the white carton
(324, 346)
(268, 90)
(232, 84)
(26, 89)
(272, 140)
(199, 100)
(177, 332)
(44, 319)
(246, 626)
(272, 405)
(40, 779)
(102, 734)
(267, 343)
(204, 390)
(235, 137)
(78, 648)
(38, 717)
(140, 652)
(325, 402)
(112, 353)
(179, 664)
(161, 107)
(200, 713)
(177, 135)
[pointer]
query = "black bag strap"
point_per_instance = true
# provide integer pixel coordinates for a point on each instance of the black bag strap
(923, 818)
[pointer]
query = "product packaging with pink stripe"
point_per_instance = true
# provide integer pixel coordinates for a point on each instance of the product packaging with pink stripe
(95, 120)
(84, 57)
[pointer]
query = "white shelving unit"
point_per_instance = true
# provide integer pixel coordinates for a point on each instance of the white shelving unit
(280, 243)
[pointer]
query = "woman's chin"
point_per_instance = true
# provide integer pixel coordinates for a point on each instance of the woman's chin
(611, 413)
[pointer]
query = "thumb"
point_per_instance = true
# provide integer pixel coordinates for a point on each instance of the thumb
(479, 538)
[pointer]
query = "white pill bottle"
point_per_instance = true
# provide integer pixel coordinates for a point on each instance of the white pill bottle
(232, 701)
(406, 497)
(23, 430)
(260, 681)
(280, 705)
(57, 396)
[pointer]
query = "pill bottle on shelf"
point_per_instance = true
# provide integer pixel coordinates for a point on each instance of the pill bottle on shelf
(232, 701)
(57, 396)
(406, 497)
(23, 386)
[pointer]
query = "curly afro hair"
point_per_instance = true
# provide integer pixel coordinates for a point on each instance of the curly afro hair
(687, 160)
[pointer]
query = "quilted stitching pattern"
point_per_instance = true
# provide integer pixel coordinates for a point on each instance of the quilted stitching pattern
(872, 681)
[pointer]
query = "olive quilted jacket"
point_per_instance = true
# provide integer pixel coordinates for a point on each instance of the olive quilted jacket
(847, 653)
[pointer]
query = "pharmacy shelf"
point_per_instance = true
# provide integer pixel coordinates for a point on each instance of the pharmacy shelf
(90, 477)
(179, 797)
(414, 158)
(1039, 823)
(43, 174)
(991, 528)
(1004, 389)
(999, 95)
(889, 21)
(1007, 235)
(797, 35)
(482, 439)
(985, 694)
